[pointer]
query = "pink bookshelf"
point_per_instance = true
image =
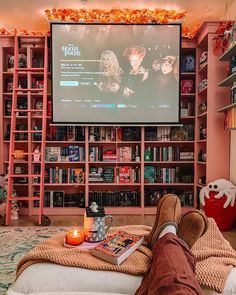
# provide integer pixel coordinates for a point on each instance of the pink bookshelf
(216, 142)
(215, 137)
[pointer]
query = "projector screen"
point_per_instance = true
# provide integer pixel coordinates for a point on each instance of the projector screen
(115, 73)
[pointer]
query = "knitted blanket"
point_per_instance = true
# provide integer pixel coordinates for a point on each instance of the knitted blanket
(215, 257)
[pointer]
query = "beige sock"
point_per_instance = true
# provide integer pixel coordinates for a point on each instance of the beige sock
(166, 230)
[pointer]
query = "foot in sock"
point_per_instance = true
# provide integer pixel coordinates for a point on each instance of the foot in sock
(168, 214)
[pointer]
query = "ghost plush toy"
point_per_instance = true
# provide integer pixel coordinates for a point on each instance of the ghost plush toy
(223, 187)
(188, 63)
(94, 207)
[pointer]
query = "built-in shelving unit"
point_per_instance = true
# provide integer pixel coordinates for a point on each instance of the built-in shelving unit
(211, 141)
(229, 109)
(157, 165)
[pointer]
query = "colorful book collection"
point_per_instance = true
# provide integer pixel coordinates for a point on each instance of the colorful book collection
(122, 174)
(151, 197)
(153, 174)
(123, 154)
(61, 199)
(167, 153)
(115, 198)
(230, 119)
(72, 153)
(64, 175)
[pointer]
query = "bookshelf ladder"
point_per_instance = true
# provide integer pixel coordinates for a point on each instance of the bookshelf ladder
(15, 111)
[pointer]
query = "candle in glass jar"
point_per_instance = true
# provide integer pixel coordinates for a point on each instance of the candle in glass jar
(74, 237)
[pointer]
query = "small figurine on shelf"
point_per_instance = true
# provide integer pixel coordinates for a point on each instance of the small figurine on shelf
(36, 155)
(14, 211)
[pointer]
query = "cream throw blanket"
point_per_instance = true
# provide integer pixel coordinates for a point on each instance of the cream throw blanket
(215, 257)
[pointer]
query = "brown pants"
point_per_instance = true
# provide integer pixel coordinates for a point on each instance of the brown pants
(172, 270)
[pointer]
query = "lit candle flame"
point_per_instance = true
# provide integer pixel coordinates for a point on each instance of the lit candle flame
(75, 233)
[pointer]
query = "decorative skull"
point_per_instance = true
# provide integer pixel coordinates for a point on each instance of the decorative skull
(203, 59)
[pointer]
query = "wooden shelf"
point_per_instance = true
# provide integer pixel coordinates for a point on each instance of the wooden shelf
(63, 142)
(229, 81)
(187, 74)
(201, 163)
(203, 69)
(169, 142)
(62, 163)
(169, 162)
(188, 94)
(203, 91)
(54, 211)
(188, 118)
(230, 106)
(114, 142)
(202, 115)
(61, 184)
(115, 163)
(169, 184)
(113, 184)
(202, 141)
(228, 53)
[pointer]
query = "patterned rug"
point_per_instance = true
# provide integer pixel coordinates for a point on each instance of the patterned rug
(14, 243)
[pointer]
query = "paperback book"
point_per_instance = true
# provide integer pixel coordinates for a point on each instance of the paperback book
(117, 247)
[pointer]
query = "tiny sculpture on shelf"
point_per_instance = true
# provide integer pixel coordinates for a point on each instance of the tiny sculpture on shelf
(188, 63)
(223, 187)
(94, 207)
(36, 154)
(203, 59)
(14, 211)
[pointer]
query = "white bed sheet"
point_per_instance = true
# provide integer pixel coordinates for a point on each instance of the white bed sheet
(53, 279)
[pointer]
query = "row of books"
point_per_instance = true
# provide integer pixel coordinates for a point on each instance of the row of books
(121, 174)
(113, 134)
(61, 199)
(151, 197)
(72, 153)
(153, 174)
(230, 118)
(169, 153)
(63, 175)
(115, 198)
(121, 154)
(65, 133)
(170, 133)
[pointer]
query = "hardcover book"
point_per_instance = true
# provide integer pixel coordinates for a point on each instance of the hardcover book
(117, 247)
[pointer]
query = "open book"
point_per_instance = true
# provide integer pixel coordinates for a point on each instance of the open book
(117, 247)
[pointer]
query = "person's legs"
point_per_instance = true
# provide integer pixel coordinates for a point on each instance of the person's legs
(172, 269)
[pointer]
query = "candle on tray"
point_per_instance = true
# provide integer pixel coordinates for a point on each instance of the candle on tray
(75, 237)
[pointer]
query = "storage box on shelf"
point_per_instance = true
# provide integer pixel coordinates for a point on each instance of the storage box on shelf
(211, 144)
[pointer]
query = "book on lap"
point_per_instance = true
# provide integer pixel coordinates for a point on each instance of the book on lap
(117, 247)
